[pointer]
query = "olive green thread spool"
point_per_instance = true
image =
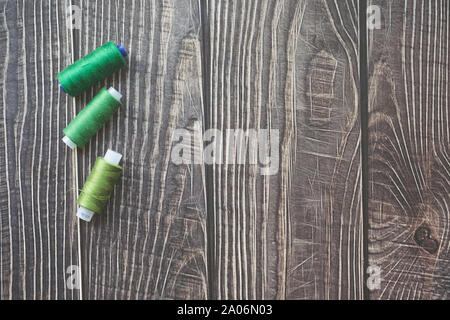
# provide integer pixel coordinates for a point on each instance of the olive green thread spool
(99, 185)
(96, 66)
(92, 118)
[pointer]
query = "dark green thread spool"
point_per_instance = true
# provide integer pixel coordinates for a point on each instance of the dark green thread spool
(92, 118)
(96, 66)
(99, 185)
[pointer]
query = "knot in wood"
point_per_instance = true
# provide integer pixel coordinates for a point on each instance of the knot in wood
(423, 238)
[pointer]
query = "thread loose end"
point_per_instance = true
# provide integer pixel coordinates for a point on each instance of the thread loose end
(85, 214)
(69, 142)
(122, 50)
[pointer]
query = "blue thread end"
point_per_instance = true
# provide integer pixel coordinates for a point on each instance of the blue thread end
(122, 50)
(62, 88)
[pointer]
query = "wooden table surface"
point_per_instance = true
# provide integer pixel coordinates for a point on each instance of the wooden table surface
(362, 182)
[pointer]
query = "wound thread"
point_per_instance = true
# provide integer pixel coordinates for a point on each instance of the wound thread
(99, 185)
(96, 66)
(93, 116)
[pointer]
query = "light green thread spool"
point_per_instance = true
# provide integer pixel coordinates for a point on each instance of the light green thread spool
(99, 185)
(96, 66)
(92, 118)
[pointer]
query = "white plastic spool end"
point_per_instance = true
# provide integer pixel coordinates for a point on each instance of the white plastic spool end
(85, 214)
(112, 157)
(116, 94)
(69, 142)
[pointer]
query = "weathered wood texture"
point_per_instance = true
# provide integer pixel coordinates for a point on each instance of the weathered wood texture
(151, 243)
(291, 227)
(291, 67)
(38, 230)
(409, 164)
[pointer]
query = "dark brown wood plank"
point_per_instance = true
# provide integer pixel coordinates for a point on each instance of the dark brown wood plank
(151, 241)
(290, 67)
(325, 199)
(38, 230)
(409, 164)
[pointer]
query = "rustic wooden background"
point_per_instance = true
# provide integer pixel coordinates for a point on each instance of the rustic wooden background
(364, 168)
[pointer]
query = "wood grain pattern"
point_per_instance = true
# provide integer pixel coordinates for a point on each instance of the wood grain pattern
(38, 231)
(151, 243)
(291, 227)
(409, 164)
(290, 67)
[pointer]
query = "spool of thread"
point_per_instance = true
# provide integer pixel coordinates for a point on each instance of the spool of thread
(99, 185)
(96, 66)
(92, 118)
